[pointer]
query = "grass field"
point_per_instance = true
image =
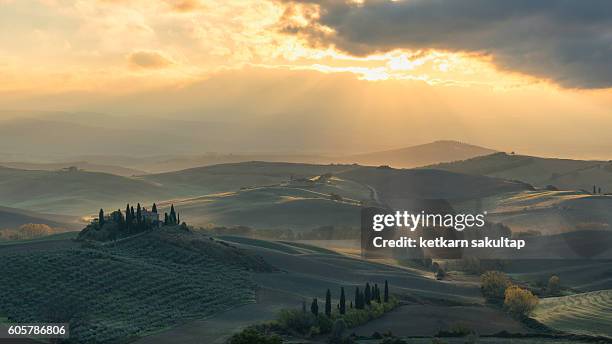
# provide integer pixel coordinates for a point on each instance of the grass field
(268, 207)
(587, 313)
(114, 292)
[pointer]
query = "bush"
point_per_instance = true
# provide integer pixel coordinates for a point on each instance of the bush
(296, 320)
(554, 285)
(338, 329)
(519, 302)
(494, 284)
(251, 335)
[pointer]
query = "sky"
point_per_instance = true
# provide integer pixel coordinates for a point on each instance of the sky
(354, 76)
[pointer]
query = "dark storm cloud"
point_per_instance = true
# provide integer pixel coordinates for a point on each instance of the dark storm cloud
(568, 42)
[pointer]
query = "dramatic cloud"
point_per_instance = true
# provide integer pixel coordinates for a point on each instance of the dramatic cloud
(148, 60)
(566, 41)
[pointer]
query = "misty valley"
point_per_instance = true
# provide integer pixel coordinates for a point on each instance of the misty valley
(258, 251)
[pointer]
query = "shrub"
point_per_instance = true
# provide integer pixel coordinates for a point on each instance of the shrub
(338, 329)
(519, 302)
(296, 320)
(251, 335)
(494, 284)
(554, 285)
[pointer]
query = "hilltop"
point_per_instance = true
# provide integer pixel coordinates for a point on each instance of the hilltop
(117, 291)
(420, 155)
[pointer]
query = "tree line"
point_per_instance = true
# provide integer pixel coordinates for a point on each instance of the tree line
(362, 299)
(137, 219)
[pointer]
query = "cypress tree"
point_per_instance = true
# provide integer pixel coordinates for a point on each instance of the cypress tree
(178, 218)
(154, 208)
(166, 219)
(342, 301)
(351, 305)
(386, 292)
(172, 216)
(357, 297)
(120, 220)
(377, 293)
(367, 294)
(138, 214)
(314, 307)
(328, 303)
(101, 217)
(128, 218)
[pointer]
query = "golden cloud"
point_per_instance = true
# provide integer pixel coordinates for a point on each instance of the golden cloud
(149, 59)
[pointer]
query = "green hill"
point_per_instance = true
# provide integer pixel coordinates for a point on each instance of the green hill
(273, 207)
(550, 212)
(565, 174)
(398, 184)
(231, 177)
(588, 313)
(113, 292)
(72, 192)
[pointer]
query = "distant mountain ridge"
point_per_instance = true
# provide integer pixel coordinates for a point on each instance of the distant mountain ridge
(81, 165)
(420, 155)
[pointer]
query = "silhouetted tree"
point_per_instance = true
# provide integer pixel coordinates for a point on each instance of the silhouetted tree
(314, 307)
(101, 217)
(367, 295)
(386, 296)
(139, 215)
(357, 298)
(128, 217)
(342, 304)
(377, 293)
(594, 190)
(172, 217)
(328, 303)
(166, 219)
(120, 220)
(154, 208)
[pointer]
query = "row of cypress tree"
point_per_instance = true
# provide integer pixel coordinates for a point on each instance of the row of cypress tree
(362, 299)
(135, 221)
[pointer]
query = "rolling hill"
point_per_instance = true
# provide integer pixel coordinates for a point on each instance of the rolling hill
(81, 165)
(111, 293)
(231, 177)
(564, 174)
(13, 218)
(73, 192)
(421, 155)
(550, 212)
(272, 207)
(397, 185)
(587, 313)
